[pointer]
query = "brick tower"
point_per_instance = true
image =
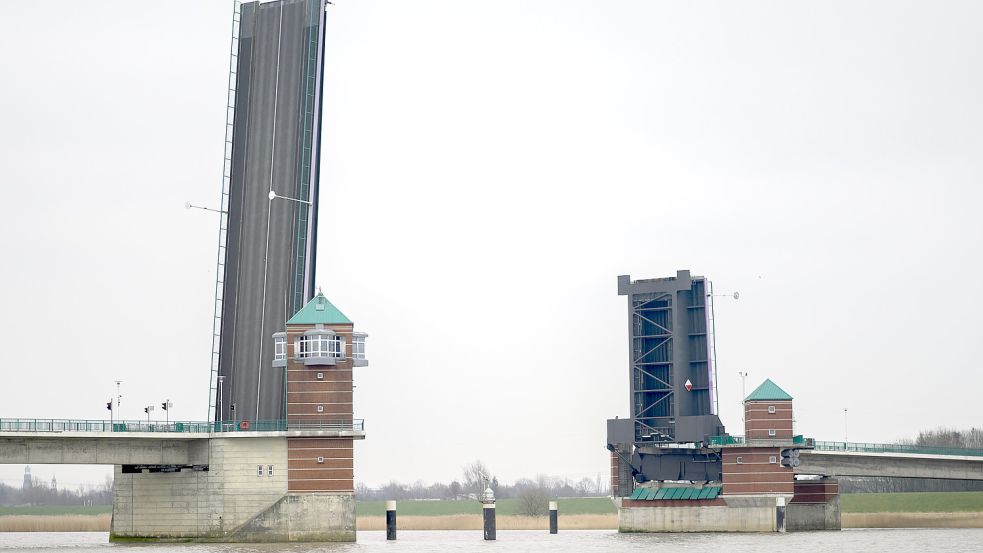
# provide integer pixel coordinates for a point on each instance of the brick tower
(757, 467)
(319, 350)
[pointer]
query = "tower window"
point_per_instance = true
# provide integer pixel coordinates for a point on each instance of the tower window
(358, 345)
(771, 409)
(740, 460)
(320, 343)
(279, 347)
(269, 470)
(771, 432)
(259, 470)
(336, 346)
(772, 459)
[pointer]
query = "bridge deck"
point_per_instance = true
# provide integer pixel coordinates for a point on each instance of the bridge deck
(57, 441)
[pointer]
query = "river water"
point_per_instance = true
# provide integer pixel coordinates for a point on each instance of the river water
(586, 541)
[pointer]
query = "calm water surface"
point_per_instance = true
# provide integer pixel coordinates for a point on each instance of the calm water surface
(588, 541)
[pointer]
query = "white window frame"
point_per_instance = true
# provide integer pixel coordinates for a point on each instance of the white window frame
(771, 409)
(358, 345)
(740, 460)
(772, 459)
(336, 346)
(279, 348)
(320, 460)
(320, 408)
(771, 432)
(259, 470)
(269, 470)
(320, 344)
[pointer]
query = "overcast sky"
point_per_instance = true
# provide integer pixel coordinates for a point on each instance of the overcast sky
(489, 168)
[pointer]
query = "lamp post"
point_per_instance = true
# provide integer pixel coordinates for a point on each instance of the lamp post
(166, 406)
(844, 426)
(189, 205)
(274, 195)
(221, 413)
(148, 409)
(743, 375)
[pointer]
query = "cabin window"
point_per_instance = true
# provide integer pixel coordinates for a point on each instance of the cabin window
(358, 345)
(324, 343)
(771, 432)
(279, 347)
(771, 409)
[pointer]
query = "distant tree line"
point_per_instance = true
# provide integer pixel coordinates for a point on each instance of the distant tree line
(947, 437)
(532, 493)
(43, 493)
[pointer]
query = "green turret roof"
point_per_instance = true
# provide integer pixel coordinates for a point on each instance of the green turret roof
(768, 391)
(319, 311)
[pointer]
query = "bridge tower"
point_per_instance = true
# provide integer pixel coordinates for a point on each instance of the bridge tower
(282, 480)
(672, 384)
(319, 350)
(757, 467)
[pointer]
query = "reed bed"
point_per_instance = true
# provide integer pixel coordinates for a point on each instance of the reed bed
(55, 523)
(474, 522)
(911, 520)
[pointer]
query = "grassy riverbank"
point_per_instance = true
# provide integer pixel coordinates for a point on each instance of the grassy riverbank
(878, 510)
(919, 502)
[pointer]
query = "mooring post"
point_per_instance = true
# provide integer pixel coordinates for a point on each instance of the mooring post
(488, 513)
(488, 510)
(553, 517)
(780, 514)
(390, 520)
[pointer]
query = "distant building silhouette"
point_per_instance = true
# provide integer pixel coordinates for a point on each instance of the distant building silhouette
(28, 482)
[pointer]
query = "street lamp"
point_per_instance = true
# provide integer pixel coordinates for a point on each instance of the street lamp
(221, 413)
(166, 406)
(844, 425)
(189, 205)
(274, 195)
(743, 375)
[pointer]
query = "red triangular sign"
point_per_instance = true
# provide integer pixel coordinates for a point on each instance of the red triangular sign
(689, 385)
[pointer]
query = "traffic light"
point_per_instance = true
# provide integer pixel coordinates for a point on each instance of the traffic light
(790, 458)
(146, 410)
(109, 405)
(163, 406)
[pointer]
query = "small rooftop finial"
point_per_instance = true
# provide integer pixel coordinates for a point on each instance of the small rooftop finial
(319, 291)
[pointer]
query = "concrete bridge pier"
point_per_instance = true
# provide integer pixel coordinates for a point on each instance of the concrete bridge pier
(243, 496)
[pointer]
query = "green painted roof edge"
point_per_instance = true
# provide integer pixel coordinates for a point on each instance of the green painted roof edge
(310, 314)
(768, 391)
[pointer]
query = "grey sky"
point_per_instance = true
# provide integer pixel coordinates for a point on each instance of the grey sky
(489, 169)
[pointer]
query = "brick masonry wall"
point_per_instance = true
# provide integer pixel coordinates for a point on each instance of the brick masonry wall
(758, 421)
(334, 474)
(755, 474)
(816, 491)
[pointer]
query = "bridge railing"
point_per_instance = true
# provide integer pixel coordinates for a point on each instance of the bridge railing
(861, 447)
(85, 425)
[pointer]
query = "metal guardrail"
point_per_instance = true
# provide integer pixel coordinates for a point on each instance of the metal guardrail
(859, 447)
(84, 425)
(896, 448)
(725, 440)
